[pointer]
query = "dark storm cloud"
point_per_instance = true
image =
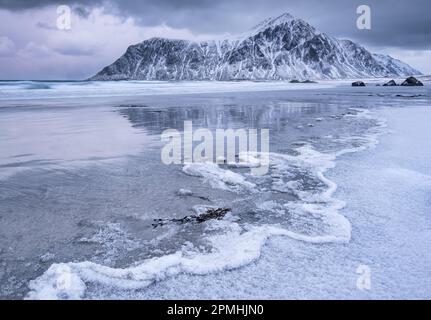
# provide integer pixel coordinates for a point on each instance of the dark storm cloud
(402, 23)
(82, 12)
(30, 4)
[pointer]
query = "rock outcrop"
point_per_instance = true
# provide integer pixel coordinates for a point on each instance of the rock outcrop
(358, 84)
(412, 82)
(391, 83)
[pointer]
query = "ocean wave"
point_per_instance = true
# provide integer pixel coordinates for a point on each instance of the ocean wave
(37, 86)
(14, 87)
(30, 90)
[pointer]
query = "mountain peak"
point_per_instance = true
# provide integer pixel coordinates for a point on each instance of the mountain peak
(274, 21)
(281, 47)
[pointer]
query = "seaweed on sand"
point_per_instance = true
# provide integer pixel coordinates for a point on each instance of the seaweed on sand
(210, 214)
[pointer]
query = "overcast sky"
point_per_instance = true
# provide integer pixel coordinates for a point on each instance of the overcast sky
(32, 47)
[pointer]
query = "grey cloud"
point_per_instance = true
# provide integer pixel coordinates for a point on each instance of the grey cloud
(16, 5)
(46, 26)
(401, 24)
(76, 51)
(82, 12)
(7, 47)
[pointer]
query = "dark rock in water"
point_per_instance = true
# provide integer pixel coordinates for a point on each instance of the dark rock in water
(210, 214)
(305, 81)
(358, 84)
(391, 83)
(412, 81)
(409, 96)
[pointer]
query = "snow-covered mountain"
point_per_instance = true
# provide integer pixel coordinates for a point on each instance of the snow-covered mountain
(278, 48)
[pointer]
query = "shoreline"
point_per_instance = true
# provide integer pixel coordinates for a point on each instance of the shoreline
(332, 115)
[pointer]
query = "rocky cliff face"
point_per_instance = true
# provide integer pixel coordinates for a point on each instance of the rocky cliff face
(279, 48)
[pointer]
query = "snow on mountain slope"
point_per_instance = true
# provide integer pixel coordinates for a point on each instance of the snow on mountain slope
(277, 49)
(395, 65)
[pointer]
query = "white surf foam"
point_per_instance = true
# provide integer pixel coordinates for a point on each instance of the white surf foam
(315, 204)
(94, 89)
(232, 245)
(217, 177)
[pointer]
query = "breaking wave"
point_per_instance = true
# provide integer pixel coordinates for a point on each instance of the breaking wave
(37, 86)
